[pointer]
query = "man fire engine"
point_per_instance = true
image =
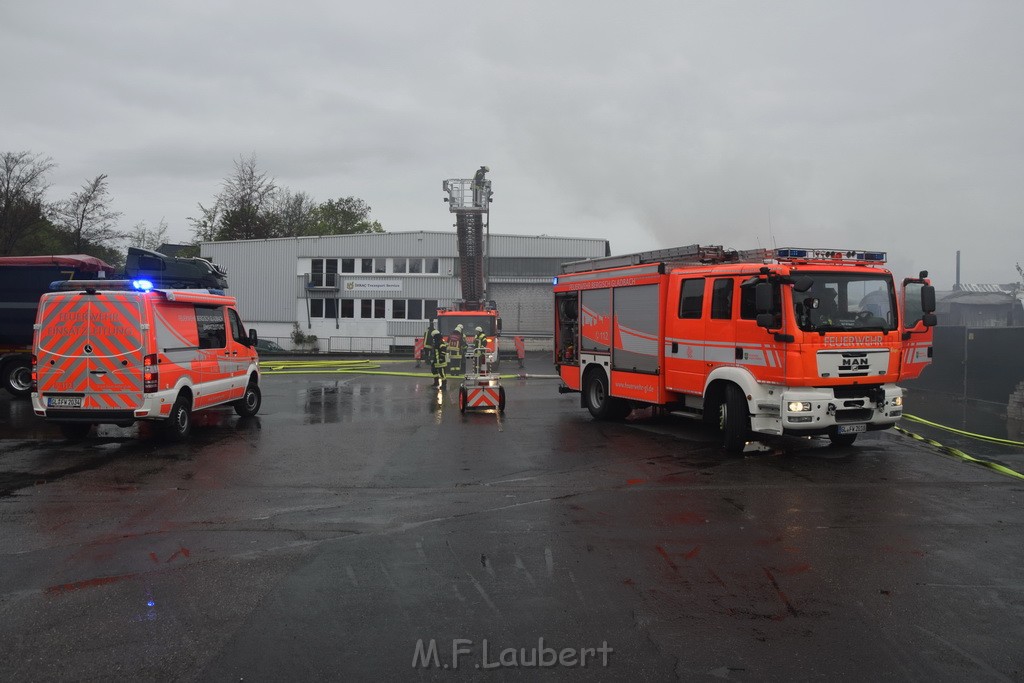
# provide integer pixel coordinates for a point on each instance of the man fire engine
(747, 340)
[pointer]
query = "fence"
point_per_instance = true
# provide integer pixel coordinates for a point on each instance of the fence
(980, 363)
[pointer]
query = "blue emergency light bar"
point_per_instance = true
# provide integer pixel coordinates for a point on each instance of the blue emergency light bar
(851, 255)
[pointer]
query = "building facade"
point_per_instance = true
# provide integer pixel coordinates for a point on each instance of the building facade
(372, 292)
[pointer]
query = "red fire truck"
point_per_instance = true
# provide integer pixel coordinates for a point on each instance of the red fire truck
(786, 341)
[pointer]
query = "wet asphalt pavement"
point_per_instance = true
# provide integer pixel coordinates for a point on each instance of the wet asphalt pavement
(362, 528)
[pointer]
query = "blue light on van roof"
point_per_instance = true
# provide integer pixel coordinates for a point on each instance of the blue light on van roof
(142, 285)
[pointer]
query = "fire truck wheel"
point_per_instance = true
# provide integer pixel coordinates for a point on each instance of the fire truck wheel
(599, 403)
(734, 420)
(501, 399)
(462, 399)
(178, 424)
(250, 403)
(75, 431)
(17, 378)
(842, 439)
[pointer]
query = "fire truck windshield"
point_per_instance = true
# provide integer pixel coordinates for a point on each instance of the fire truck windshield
(446, 323)
(840, 301)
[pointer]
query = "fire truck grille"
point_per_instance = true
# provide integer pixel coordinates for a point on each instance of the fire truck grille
(858, 415)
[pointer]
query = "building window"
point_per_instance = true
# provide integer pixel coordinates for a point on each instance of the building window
(398, 309)
(415, 311)
(374, 265)
(379, 308)
(415, 265)
(432, 265)
(348, 265)
(366, 308)
(316, 308)
(429, 309)
(330, 308)
(399, 265)
(348, 308)
(324, 272)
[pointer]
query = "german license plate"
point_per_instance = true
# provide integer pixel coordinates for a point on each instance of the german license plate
(851, 429)
(64, 402)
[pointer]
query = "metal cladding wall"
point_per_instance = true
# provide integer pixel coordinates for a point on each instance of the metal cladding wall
(981, 363)
(525, 308)
(261, 274)
(269, 277)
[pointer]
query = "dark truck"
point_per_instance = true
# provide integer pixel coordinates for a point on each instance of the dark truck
(23, 279)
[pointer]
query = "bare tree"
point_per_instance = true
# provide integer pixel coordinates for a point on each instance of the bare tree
(87, 217)
(22, 186)
(246, 203)
(147, 238)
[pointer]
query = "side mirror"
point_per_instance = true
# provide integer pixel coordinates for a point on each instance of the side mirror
(766, 320)
(252, 337)
(764, 298)
(930, 320)
(499, 326)
(928, 299)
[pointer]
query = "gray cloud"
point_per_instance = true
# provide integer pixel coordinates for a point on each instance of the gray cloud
(880, 125)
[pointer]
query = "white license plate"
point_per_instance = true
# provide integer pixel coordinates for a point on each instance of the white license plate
(851, 429)
(64, 402)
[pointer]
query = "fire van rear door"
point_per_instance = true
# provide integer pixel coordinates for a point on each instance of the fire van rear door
(90, 351)
(116, 336)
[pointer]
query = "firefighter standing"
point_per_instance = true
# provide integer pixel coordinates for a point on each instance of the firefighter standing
(478, 185)
(455, 349)
(439, 357)
(480, 343)
(428, 343)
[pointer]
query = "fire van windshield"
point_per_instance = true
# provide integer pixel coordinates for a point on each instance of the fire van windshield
(846, 301)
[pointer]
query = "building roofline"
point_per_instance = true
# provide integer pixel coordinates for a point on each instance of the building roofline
(402, 232)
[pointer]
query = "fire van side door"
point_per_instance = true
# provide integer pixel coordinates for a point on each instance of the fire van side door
(240, 354)
(684, 334)
(213, 357)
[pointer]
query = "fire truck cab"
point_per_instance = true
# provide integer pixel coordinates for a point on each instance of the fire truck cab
(788, 341)
(119, 351)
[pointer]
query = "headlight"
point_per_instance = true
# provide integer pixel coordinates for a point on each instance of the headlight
(799, 406)
(897, 401)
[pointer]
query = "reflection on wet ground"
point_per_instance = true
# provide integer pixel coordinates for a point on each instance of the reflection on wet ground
(965, 418)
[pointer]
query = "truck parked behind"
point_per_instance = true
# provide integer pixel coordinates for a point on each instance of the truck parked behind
(23, 279)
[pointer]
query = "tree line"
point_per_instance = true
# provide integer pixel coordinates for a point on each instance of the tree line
(249, 205)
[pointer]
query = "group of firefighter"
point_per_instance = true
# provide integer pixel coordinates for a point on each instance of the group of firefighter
(443, 354)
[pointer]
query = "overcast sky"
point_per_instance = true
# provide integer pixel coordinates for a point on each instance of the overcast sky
(884, 125)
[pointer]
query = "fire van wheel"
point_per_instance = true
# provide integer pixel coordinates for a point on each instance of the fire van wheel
(734, 420)
(501, 399)
(462, 399)
(178, 425)
(250, 403)
(599, 403)
(17, 378)
(840, 440)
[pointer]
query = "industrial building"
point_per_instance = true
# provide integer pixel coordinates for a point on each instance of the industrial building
(373, 292)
